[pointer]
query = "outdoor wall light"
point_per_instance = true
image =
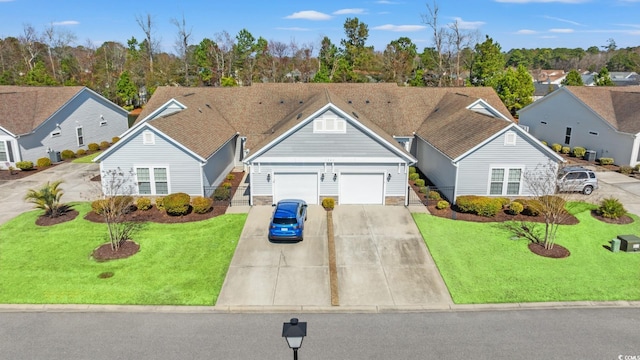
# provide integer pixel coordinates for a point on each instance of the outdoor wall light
(268, 177)
(388, 177)
(322, 177)
(335, 177)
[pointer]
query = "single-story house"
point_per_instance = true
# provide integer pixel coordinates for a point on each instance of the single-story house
(351, 142)
(38, 122)
(603, 119)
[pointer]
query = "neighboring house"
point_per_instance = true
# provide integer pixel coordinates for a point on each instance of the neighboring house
(603, 119)
(350, 142)
(619, 78)
(548, 76)
(541, 90)
(38, 122)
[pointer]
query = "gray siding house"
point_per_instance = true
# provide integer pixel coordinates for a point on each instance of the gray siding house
(603, 119)
(38, 121)
(350, 142)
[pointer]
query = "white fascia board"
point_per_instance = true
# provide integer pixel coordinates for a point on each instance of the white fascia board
(491, 109)
(8, 132)
(316, 160)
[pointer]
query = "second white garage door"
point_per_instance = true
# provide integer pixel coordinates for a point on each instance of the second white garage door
(296, 186)
(361, 189)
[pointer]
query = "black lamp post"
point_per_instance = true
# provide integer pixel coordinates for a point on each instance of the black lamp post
(294, 332)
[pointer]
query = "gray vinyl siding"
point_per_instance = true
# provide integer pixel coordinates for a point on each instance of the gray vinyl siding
(219, 164)
(474, 169)
(184, 170)
(85, 111)
(561, 110)
(437, 167)
(396, 186)
(352, 143)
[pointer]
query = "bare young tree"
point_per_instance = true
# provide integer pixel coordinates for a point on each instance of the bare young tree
(148, 27)
(29, 41)
(182, 45)
(439, 37)
(57, 42)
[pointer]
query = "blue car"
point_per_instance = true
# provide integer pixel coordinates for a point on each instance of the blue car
(287, 221)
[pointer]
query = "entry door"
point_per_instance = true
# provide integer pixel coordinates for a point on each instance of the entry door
(362, 188)
(302, 186)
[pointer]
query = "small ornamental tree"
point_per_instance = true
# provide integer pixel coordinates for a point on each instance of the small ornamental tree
(117, 189)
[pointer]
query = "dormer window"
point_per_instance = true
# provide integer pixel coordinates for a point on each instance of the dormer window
(329, 123)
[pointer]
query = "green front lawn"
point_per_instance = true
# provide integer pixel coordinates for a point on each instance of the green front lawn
(86, 159)
(178, 264)
(481, 264)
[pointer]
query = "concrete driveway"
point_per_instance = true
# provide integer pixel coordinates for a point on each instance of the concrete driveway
(76, 187)
(381, 261)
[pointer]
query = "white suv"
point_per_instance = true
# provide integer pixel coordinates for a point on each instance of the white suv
(577, 178)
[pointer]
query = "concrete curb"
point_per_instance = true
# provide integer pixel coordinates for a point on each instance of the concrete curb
(379, 309)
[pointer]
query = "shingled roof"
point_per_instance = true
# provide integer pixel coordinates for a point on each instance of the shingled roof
(262, 112)
(24, 108)
(619, 106)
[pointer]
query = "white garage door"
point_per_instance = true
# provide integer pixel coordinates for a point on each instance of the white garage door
(361, 189)
(296, 186)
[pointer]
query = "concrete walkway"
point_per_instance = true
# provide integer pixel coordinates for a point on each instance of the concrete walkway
(76, 186)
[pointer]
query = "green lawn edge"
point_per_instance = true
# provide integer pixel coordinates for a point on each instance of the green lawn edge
(481, 263)
(86, 159)
(178, 264)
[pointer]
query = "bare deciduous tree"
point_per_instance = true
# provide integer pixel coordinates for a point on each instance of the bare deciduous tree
(147, 25)
(439, 37)
(182, 45)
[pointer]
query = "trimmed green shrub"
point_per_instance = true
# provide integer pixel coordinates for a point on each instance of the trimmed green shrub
(104, 145)
(515, 208)
(328, 203)
(579, 151)
(201, 204)
(67, 154)
(115, 139)
(43, 162)
(434, 195)
(231, 177)
(176, 204)
(606, 161)
(565, 150)
(25, 165)
(442, 204)
(226, 185)
(122, 202)
(412, 169)
(93, 147)
(504, 201)
(419, 182)
(532, 207)
(98, 206)
(221, 193)
(611, 208)
(159, 203)
(625, 169)
(423, 190)
(556, 147)
(81, 152)
(480, 205)
(414, 176)
(143, 203)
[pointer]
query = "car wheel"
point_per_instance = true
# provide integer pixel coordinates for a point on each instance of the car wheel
(587, 190)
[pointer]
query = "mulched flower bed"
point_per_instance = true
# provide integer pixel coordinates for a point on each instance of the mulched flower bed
(623, 220)
(105, 253)
(160, 216)
(556, 252)
(44, 220)
(501, 216)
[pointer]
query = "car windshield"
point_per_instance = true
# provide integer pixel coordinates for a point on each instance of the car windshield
(284, 221)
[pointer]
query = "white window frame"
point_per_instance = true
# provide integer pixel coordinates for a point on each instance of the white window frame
(80, 135)
(505, 179)
(8, 151)
(148, 138)
(152, 181)
(510, 138)
(320, 124)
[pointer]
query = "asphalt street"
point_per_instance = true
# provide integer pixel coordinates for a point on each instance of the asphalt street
(514, 334)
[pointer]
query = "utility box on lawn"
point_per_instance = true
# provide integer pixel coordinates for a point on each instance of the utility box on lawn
(629, 243)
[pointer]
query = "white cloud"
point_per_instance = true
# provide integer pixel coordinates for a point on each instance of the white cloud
(387, 2)
(543, 1)
(561, 31)
(293, 28)
(349, 11)
(1, 1)
(65, 23)
(400, 28)
(309, 15)
(526, 32)
(562, 20)
(468, 25)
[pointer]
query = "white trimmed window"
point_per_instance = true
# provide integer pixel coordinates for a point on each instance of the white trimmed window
(80, 135)
(505, 181)
(152, 180)
(6, 154)
(329, 123)
(510, 138)
(148, 138)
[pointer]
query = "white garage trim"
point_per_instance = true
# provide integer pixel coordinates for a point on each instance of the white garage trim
(295, 185)
(362, 188)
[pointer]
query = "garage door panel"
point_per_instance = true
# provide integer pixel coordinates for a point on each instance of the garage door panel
(296, 186)
(362, 188)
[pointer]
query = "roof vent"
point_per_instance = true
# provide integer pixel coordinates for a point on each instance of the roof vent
(354, 114)
(299, 116)
(199, 109)
(209, 106)
(301, 101)
(281, 101)
(260, 102)
(367, 101)
(350, 102)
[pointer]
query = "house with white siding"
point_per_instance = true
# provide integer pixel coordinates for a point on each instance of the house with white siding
(351, 142)
(38, 122)
(602, 119)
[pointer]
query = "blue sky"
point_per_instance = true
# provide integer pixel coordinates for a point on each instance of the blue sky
(512, 23)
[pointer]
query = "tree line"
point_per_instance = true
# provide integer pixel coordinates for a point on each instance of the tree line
(127, 73)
